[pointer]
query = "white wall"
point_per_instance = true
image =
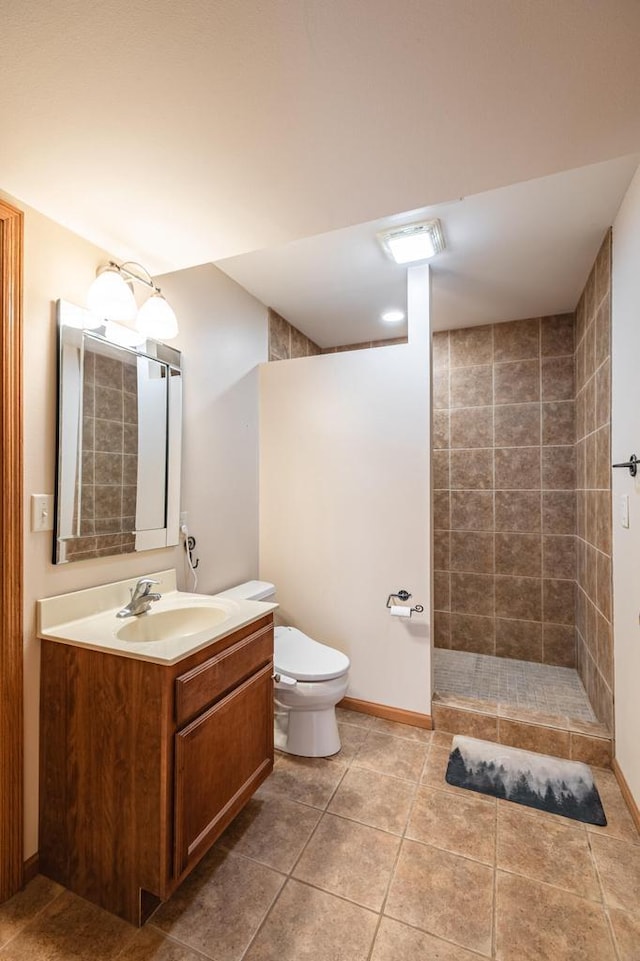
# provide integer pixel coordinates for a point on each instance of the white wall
(344, 503)
(57, 264)
(224, 337)
(625, 439)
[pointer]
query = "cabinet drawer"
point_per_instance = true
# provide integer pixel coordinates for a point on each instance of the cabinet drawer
(220, 760)
(199, 687)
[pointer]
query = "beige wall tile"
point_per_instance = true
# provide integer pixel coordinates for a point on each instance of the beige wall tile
(557, 335)
(558, 468)
(471, 386)
(559, 644)
(602, 478)
(472, 345)
(472, 551)
(440, 349)
(471, 470)
(519, 639)
(559, 556)
(471, 593)
(518, 340)
(602, 343)
(558, 422)
(517, 468)
(472, 427)
(440, 429)
(517, 425)
(518, 511)
(441, 546)
(518, 554)
(470, 632)
(517, 382)
(558, 512)
(441, 502)
(279, 337)
(472, 510)
(440, 384)
(558, 601)
(440, 469)
(442, 630)
(591, 750)
(469, 723)
(530, 737)
(603, 270)
(518, 597)
(603, 585)
(558, 376)
(441, 591)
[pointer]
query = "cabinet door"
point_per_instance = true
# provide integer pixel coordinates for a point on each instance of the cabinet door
(221, 758)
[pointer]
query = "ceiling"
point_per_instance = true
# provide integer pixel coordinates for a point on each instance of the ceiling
(183, 133)
(519, 251)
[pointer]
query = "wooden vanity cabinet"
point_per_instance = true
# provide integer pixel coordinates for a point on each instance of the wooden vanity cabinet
(142, 765)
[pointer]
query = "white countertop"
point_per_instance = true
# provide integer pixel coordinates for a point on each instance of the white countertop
(88, 619)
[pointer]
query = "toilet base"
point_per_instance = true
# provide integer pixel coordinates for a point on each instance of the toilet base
(307, 733)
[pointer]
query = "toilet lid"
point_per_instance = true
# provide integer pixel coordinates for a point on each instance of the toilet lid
(301, 657)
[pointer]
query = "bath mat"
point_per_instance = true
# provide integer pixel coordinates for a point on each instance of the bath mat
(536, 780)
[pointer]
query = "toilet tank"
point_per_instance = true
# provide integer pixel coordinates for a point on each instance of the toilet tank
(251, 591)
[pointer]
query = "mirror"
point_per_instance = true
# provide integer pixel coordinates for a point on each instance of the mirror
(119, 439)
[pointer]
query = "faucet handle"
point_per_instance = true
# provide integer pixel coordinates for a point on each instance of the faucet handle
(143, 587)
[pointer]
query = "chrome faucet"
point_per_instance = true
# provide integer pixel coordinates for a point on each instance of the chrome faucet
(141, 598)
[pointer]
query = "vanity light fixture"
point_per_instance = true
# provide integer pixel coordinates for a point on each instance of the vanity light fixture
(392, 316)
(111, 298)
(413, 242)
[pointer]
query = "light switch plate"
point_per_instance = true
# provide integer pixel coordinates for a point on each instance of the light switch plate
(624, 510)
(42, 512)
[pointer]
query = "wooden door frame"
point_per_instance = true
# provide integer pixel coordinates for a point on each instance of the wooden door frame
(11, 546)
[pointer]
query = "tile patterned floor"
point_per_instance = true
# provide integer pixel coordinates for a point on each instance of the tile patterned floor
(522, 684)
(371, 856)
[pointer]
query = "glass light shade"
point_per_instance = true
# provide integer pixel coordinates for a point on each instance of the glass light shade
(415, 242)
(110, 297)
(156, 319)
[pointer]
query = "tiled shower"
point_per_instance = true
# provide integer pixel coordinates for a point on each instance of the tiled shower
(522, 515)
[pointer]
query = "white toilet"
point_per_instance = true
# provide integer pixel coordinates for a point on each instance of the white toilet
(310, 680)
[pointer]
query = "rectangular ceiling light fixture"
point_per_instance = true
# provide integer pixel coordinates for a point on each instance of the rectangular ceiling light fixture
(414, 242)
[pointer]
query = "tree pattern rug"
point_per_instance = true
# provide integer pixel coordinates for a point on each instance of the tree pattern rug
(547, 783)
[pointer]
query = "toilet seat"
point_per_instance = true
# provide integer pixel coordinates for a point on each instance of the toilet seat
(300, 657)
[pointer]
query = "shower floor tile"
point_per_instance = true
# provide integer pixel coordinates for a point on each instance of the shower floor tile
(521, 684)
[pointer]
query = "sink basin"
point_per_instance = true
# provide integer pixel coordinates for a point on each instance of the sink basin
(175, 623)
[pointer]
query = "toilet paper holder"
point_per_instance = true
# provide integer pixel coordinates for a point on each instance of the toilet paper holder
(404, 596)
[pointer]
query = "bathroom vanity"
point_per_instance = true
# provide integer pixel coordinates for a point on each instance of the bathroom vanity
(148, 753)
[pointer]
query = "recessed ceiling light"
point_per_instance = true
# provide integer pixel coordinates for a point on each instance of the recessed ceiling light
(392, 316)
(413, 242)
